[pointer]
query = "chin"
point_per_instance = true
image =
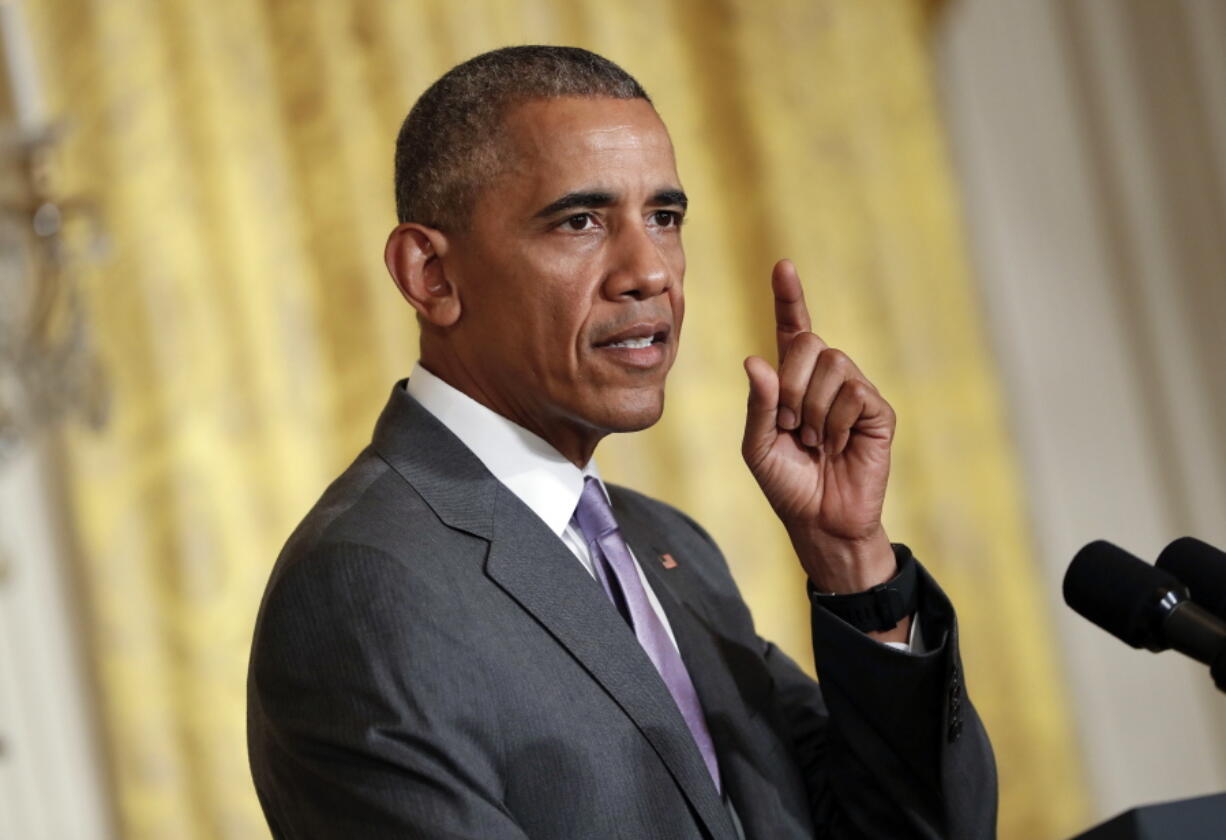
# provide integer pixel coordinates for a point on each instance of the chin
(631, 412)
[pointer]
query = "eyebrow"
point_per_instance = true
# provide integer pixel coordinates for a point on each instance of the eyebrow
(667, 198)
(600, 198)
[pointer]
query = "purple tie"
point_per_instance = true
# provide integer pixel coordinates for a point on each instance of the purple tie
(595, 519)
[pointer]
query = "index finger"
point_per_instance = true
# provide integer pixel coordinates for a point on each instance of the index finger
(791, 313)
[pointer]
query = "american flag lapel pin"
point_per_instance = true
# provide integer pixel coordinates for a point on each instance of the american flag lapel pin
(667, 561)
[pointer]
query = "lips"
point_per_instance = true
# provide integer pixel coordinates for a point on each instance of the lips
(642, 346)
(637, 336)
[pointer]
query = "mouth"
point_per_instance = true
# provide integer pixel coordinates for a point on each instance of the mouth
(636, 343)
(638, 336)
(641, 345)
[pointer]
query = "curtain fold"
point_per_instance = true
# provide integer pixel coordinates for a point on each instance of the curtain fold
(240, 153)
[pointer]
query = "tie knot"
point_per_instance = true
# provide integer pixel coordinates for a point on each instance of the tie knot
(593, 514)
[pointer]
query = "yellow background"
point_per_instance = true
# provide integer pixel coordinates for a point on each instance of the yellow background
(240, 153)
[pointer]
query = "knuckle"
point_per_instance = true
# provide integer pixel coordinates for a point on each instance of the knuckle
(860, 389)
(806, 346)
(815, 402)
(791, 392)
(794, 377)
(835, 359)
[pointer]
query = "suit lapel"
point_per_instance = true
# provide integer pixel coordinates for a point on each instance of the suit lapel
(539, 572)
(445, 472)
(749, 770)
(536, 569)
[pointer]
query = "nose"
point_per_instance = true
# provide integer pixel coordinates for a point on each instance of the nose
(639, 270)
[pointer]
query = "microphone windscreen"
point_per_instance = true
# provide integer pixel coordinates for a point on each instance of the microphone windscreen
(1200, 567)
(1118, 592)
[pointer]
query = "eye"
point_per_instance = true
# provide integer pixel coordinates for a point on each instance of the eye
(580, 221)
(667, 218)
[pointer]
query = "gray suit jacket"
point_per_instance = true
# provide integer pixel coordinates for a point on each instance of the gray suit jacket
(430, 661)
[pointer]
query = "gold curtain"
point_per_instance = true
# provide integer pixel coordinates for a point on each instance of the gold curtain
(240, 152)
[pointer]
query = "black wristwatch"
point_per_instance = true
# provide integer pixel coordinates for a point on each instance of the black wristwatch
(882, 607)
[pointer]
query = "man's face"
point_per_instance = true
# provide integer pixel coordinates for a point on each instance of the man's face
(570, 271)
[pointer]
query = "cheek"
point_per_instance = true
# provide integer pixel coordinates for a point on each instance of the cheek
(678, 294)
(678, 266)
(530, 302)
(555, 322)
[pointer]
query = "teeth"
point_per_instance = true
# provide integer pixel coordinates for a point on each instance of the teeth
(633, 342)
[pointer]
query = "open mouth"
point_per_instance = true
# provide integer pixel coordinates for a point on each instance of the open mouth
(642, 346)
(636, 343)
(637, 337)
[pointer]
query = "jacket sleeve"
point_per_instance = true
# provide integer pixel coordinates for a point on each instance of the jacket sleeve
(343, 741)
(889, 745)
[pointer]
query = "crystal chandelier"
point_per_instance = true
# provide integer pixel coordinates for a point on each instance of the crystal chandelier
(48, 244)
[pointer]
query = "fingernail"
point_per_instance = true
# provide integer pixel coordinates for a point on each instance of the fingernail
(787, 418)
(808, 436)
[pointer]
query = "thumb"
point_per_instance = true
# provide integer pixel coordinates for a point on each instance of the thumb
(763, 409)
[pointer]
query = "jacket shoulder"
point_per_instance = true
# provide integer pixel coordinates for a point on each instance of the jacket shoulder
(370, 506)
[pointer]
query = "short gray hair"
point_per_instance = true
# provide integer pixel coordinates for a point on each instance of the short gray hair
(447, 146)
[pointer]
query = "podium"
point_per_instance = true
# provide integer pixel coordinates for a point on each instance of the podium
(1200, 818)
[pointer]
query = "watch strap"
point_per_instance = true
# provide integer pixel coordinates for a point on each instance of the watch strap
(882, 607)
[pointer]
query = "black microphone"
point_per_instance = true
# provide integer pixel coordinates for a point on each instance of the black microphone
(1200, 567)
(1143, 606)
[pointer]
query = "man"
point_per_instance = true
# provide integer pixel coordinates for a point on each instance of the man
(471, 636)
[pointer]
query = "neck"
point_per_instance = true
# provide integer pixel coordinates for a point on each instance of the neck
(574, 441)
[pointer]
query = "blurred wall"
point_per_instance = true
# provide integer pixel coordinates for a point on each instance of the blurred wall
(49, 737)
(1090, 140)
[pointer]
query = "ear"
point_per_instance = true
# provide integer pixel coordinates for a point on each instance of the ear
(414, 259)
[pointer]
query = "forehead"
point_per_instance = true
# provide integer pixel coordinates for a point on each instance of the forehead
(586, 140)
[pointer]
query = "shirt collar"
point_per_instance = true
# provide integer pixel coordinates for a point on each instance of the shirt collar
(526, 464)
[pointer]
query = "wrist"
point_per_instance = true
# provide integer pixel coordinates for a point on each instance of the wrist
(845, 566)
(885, 610)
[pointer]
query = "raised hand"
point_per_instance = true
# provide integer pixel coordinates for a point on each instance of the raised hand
(817, 439)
